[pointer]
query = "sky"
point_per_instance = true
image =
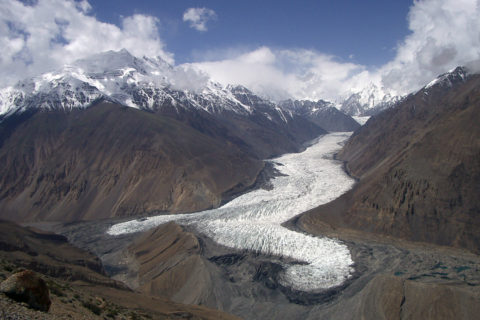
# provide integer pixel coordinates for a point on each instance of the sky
(280, 49)
(343, 28)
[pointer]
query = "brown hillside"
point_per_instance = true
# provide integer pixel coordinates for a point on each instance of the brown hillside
(78, 287)
(419, 170)
(109, 160)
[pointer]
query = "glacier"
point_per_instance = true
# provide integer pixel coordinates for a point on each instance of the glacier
(253, 220)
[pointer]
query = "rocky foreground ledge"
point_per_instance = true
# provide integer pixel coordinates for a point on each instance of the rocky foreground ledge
(77, 288)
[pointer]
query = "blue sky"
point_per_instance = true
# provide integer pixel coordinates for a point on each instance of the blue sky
(324, 49)
(365, 32)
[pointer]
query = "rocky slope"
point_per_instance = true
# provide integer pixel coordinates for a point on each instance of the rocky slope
(390, 297)
(49, 254)
(419, 168)
(78, 286)
(109, 160)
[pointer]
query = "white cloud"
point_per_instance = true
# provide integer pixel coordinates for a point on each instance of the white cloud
(282, 74)
(46, 34)
(49, 33)
(198, 17)
(444, 34)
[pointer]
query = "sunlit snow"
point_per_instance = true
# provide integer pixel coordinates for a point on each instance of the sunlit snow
(361, 119)
(124, 79)
(253, 220)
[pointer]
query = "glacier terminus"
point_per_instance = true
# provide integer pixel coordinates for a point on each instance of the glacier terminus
(253, 221)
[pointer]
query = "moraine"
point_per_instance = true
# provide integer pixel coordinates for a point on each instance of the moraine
(253, 221)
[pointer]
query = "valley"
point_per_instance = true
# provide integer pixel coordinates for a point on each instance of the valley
(252, 222)
(222, 260)
(155, 191)
(210, 160)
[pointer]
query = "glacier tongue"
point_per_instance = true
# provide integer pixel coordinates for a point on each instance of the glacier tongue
(253, 220)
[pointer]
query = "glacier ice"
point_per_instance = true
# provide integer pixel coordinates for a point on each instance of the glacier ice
(253, 220)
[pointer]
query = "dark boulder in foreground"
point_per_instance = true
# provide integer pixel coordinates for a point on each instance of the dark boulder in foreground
(27, 286)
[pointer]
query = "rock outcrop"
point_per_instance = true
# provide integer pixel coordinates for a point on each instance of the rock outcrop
(27, 286)
(78, 287)
(170, 265)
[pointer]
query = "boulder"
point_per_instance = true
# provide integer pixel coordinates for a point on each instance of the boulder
(27, 286)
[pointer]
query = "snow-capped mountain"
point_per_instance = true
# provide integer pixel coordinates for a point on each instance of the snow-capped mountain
(139, 135)
(369, 101)
(373, 99)
(322, 113)
(143, 83)
(180, 92)
(448, 79)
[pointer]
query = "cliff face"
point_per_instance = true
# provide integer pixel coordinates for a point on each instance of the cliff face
(109, 160)
(419, 169)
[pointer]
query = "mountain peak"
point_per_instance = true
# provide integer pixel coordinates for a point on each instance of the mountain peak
(107, 60)
(322, 113)
(239, 89)
(372, 97)
(448, 79)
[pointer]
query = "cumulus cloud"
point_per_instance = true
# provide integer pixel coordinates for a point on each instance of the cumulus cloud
(39, 36)
(198, 17)
(444, 34)
(280, 74)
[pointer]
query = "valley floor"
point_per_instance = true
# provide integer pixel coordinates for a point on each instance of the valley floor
(387, 272)
(252, 261)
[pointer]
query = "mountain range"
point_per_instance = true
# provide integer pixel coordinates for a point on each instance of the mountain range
(151, 84)
(116, 135)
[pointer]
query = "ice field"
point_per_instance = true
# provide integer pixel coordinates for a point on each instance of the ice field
(253, 220)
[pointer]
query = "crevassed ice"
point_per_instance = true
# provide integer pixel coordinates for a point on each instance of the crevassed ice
(253, 220)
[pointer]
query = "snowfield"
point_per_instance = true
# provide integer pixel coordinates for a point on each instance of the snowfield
(253, 220)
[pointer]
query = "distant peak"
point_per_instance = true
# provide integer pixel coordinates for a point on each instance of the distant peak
(448, 79)
(238, 89)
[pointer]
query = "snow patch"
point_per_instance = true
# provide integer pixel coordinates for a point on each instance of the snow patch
(361, 119)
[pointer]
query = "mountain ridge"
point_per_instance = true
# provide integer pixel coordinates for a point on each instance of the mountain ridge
(418, 168)
(110, 136)
(109, 160)
(322, 113)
